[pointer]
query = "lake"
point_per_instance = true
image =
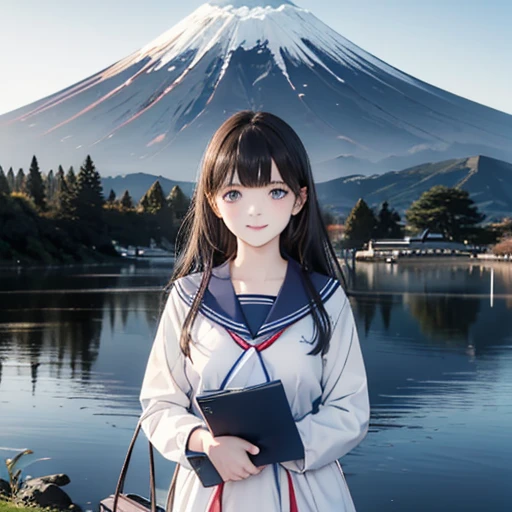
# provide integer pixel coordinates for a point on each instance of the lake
(438, 351)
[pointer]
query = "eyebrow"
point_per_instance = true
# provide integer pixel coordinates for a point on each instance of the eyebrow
(240, 185)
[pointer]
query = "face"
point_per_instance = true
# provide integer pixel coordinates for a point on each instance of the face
(258, 215)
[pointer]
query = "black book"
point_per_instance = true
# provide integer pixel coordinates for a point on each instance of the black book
(259, 414)
(204, 468)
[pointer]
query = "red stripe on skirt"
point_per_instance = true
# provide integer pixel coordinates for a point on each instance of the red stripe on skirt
(216, 502)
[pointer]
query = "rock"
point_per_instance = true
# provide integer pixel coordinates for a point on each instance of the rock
(59, 479)
(45, 495)
(5, 488)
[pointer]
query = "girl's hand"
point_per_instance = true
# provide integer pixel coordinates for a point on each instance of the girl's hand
(229, 456)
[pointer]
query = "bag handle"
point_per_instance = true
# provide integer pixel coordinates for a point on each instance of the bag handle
(124, 470)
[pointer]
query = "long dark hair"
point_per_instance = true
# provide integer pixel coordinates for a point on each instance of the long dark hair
(245, 145)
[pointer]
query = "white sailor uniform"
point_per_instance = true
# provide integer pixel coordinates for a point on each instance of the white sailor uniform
(327, 394)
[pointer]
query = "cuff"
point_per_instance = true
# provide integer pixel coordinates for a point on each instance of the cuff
(182, 441)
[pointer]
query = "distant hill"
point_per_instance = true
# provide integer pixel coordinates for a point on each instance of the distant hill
(138, 184)
(489, 182)
(344, 166)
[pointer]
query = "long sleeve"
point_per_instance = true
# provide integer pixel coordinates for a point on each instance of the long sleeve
(343, 415)
(164, 396)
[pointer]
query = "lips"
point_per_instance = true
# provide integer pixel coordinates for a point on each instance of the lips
(257, 227)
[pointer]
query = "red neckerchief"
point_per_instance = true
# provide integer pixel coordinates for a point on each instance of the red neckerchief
(216, 500)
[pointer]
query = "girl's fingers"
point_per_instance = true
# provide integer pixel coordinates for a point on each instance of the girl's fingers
(252, 470)
(251, 448)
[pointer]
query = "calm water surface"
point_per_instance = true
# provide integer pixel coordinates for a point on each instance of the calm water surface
(438, 350)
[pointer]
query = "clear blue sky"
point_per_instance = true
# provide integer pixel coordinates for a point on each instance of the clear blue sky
(463, 46)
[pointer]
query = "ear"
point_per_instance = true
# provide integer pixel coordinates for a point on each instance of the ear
(300, 201)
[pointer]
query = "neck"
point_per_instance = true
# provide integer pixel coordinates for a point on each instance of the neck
(258, 263)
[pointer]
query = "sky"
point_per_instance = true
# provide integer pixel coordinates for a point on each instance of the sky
(462, 46)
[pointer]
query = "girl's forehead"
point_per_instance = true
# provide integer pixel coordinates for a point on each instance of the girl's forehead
(275, 176)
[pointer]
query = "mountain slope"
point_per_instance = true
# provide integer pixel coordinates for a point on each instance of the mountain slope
(156, 109)
(488, 181)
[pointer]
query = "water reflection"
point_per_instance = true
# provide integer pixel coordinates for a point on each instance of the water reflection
(468, 277)
(67, 326)
(438, 356)
(445, 319)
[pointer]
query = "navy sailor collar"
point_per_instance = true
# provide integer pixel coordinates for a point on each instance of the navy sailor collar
(221, 304)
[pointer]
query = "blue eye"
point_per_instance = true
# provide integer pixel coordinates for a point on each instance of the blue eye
(278, 193)
(231, 196)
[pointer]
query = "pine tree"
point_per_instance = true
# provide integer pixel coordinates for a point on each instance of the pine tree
(11, 180)
(388, 223)
(19, 181)
(126, 201)
(178, 202)
(64, 198)
(153, 200)
(71, 180)
(60, 177)
(34, 185)
(111, 197)
(4, 184)
(89, 192)
(445, 210)
(360, 224)
(50, 185)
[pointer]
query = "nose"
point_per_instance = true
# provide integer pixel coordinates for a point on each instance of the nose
(254, 209)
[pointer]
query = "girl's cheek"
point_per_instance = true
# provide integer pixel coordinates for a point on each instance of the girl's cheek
(283, 205)
(232, 210)
(228, 209)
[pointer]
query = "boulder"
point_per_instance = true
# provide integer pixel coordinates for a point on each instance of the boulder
(59, 479)
(45, 495)
(45, 491)
(5, 488)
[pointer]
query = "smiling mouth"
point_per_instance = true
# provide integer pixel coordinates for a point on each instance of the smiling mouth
(257, 227)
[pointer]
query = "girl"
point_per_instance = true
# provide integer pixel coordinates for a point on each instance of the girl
(256, 296)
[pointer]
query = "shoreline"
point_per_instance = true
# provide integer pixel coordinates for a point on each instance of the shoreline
(431, 258)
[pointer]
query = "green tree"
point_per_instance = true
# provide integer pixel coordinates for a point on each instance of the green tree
(111, 197)
(178, 202)
(50, 185)
(4, 184)
(11, 179)
(60, 181)
(64, 198)
(19, 182)
(126, 201)
(445, 210)
(153, 200)
(89, 192)
(388, 223)
(71, 180)
(35, 186)
(360, 224)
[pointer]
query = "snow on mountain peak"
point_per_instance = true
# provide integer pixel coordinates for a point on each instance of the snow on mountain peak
(277, 26)
(251, 4)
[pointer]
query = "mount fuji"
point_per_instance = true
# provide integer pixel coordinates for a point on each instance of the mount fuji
(155, 110)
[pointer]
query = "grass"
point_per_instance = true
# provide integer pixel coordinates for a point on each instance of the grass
(8, 506)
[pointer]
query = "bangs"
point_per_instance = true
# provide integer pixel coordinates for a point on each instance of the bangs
(246, 157)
